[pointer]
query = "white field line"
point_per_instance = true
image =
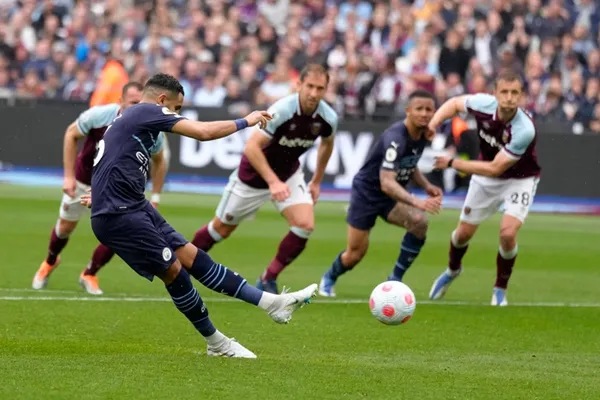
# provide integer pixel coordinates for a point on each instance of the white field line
(126, 298)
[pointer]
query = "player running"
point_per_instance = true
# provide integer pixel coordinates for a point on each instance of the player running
(507, 174)
(125, 221)
(90, 125)
(270, 170)
(379, 190)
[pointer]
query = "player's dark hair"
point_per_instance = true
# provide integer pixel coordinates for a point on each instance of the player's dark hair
(421, 94)
(314, 69)
(130, 85)
(164, 82)
(508, 76)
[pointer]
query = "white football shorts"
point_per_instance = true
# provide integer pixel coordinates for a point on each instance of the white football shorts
(70, 207)
(486, 195)
(240, 201)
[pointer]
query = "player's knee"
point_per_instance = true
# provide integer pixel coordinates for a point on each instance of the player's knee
(419, 225)
(64, 228)
(508, 237)
(303, 229)
(354, 255)
(221, 229)
(464, 233)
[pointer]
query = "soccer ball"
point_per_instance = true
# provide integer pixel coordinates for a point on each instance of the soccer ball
(392, 303)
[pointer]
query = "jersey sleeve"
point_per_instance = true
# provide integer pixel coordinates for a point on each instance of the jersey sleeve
(282, 110)
(393, 147)
(522, 136)
(162, 119)
(481, 103)
(96, 117)
(159, 144)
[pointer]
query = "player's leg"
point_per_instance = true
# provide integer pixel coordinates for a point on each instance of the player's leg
(416, 224)
(136, 239)
(481, 202)
(356, 248)
(238, 202)
(69, 214)
(88, 279)
(361, 218)
(299, 212)
(518, 197)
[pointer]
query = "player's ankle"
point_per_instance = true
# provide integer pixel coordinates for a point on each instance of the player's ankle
(268, 301)
(215, 339)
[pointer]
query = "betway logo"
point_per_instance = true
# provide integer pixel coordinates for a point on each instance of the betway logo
(490, 139)
(349, 153)
(296, 142)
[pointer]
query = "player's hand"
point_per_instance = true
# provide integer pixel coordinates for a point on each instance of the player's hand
(258, 117)
(314, 189)
(434, 191)
(280, 191)
(433, 205)
(69, 186)
(155, 205)
(86, 200)
(441, 162)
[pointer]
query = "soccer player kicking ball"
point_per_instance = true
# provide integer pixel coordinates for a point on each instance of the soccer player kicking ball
(378, 190)
(507, 173)
(126, 222)
(270, 170)
(90, 125)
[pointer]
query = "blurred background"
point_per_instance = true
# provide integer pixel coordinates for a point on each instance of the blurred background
(233, 56)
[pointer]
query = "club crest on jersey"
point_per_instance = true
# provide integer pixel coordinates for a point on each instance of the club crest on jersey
(486, 125)
(65, 207)
(228, 217)
(166, 254)
(467, 210)
(505, 137)
(315, 128)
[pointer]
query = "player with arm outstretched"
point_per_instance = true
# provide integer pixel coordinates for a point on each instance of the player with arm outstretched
(270, 170)
(506, 173)
(379, 190)
(89, 127)
(125, 221)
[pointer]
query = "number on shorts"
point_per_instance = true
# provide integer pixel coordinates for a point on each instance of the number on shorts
(514, 198)
(99, 152)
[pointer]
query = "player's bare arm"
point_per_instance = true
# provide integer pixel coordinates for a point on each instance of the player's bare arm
(72, 136)
(448, 110)
(253, 150)
(323, 155)
(492, 169)
(391, 187)
(212, 130)
(158, 174)
(424, 183)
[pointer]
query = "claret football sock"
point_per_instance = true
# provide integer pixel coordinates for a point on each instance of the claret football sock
(457, 252)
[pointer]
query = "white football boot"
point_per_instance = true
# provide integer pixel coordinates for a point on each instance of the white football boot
(284, 306)
(229, 348)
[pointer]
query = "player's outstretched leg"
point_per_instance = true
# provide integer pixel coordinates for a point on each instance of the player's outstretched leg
(219, 278)
(358, 244)
(189, 303)
(302, 223)
(88, 279)
(505, 259)
(58, 240)
(459, 243)
(212, 233)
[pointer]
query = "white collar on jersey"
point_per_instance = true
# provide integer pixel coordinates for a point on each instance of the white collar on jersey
(299, 108)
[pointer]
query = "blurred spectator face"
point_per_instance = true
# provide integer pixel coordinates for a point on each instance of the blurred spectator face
(519, 24)
(4, 78)
(592, 88)
(567, 43)
(132, 96)
(31, 80)
(481, 28)
(51, 25)
(508, 94)
(192, 69)
(494, 21)
(555, 85)
(534, 6)
(548, 48)
(453, 79)
(453, 40)
(535, 88)
(81, 76)
(247, 72)
(593, 60)
(312, 90)
(42, 50)
(580, 32)
(478, 84)
(554, 8)
(577, 83)
(380, 18)
(233, 88)
(209, 82)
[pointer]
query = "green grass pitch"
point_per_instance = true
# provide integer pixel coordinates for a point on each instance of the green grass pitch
(133, 344)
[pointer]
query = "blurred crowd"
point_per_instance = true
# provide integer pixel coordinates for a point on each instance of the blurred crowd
(234, 53)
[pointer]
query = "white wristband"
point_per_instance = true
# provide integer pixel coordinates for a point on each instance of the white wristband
(155, 198)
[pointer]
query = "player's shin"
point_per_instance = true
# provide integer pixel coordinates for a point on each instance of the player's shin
(409, 251)
(188, 301)
(102, 255)
(505, 261)
(58, 241)
(337, 268)
(219, 278)
(206, 237)
(289, 249)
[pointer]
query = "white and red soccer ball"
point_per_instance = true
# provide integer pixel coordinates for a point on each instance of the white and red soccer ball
(392, 303)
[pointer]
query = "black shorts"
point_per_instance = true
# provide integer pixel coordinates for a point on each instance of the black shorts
(143, 239)
(366, 207)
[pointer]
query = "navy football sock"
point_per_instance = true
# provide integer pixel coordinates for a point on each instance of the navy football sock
(219, 278)
(411, 246)
(337, 268)
(188, 301)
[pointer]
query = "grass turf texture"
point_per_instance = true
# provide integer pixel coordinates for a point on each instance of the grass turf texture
(134, 344)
